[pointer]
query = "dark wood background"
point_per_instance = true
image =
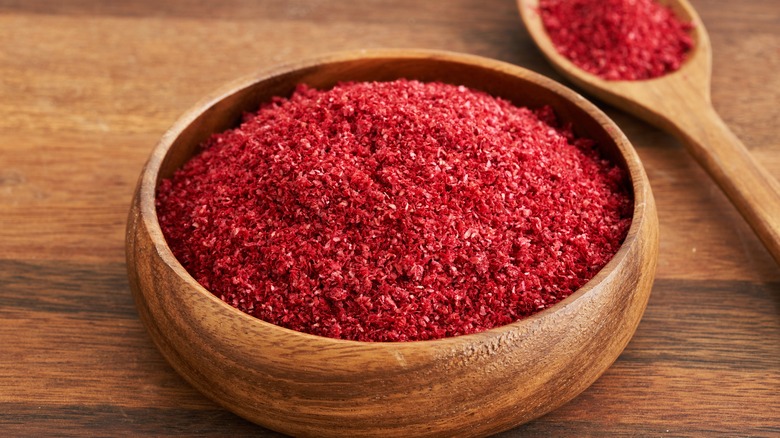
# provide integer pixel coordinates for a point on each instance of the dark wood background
(88, 86)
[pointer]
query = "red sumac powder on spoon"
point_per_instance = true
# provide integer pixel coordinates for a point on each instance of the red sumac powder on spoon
(617, 39)
(395, 211)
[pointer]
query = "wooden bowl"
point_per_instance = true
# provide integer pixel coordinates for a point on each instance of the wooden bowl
(470, 385)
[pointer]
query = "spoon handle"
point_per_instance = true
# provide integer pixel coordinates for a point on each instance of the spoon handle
(754, 192)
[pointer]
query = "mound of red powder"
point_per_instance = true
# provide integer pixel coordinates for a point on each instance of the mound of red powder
(394, 211)
(617, 39)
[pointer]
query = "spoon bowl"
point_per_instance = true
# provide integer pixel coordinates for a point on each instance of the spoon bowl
(679, 102)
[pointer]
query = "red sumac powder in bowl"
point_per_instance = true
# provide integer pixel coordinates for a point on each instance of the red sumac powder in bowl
(617, 39)
(395, 211)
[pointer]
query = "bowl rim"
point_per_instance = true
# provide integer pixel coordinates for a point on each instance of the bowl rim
(148, 183)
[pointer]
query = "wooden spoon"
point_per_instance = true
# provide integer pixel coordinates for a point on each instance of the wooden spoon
(680, 103)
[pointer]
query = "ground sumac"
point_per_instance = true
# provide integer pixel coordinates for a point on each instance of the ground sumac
(395, 211)
(617, 39)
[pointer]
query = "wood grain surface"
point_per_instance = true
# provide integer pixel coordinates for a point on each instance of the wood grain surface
(87, 87)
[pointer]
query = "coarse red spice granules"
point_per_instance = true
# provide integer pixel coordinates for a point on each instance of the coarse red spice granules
(617, 39)
(395, 211)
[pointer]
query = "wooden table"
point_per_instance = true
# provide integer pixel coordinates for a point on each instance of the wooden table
(87, 87)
